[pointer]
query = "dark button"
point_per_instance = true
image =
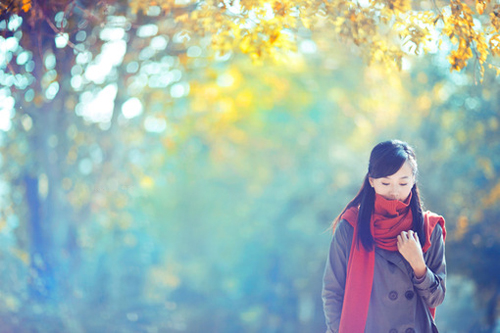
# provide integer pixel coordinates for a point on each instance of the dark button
(393, 295)
(410, 330)
(409, 294)
(393, 330)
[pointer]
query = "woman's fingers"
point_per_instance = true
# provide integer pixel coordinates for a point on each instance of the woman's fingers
(413, 234)
(407, 235)
(409, 247)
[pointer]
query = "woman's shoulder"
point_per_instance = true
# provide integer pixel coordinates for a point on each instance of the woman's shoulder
(344, 225)
(344, 229)
(433, 217)
(343, 234)
(435, 223)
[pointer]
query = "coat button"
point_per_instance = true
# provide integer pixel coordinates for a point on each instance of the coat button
(393, 295)
(393, 330)
(410, 330)
(409, 294)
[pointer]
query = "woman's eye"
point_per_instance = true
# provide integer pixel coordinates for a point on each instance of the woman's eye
(385, 184)
(403, 184)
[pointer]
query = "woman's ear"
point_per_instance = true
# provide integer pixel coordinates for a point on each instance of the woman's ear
(370, 179)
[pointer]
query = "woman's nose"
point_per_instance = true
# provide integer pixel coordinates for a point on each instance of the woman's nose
(394, 191)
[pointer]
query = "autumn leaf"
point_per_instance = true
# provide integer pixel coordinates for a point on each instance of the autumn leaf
(494, 44)
(26, 5)
(480, 6)
(495, 18)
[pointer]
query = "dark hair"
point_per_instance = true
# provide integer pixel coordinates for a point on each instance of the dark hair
(386, 159)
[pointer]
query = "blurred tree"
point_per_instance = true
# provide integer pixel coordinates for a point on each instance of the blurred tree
(120, 113)
(45, 125)
(68, 144)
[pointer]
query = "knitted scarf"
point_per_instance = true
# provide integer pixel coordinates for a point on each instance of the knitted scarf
(389, 218)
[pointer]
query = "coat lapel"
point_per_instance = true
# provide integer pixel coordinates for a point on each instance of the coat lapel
(393, 257)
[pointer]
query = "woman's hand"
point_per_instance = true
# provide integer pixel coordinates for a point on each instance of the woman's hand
(410, 249)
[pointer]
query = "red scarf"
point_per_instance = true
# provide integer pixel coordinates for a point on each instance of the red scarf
(389, 218)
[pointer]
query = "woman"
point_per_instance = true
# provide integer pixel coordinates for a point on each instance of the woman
(386, 267)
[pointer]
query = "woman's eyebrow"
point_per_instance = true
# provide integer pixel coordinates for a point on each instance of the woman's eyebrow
(388, 177)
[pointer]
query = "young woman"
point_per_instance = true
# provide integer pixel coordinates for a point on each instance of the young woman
(386, 267)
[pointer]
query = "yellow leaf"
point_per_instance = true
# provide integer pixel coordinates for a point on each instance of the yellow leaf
(480, 5)
(494, 44)
(495, 18)
(26, 5)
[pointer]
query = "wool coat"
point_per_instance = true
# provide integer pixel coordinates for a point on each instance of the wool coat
(399, 302)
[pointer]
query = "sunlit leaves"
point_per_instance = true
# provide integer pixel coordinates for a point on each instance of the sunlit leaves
(394, 7)
(481, 53)
(15, 6)
(156, 7)
(270, 30)
(494, 44)
(459, 28)
(495, 18)
(357, 25)
(257, 27)
(385, 53)
(416, 31)
(481, 5)
(262, 30)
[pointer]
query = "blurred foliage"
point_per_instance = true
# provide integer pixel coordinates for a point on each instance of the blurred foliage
(155, 179)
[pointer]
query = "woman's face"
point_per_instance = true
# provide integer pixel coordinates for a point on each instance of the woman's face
(396, 186)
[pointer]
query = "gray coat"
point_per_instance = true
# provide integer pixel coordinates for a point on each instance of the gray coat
(399, 302)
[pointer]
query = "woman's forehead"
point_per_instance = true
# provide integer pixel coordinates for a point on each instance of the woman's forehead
(405, 172)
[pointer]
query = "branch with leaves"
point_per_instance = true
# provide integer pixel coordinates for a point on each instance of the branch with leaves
(384, 30)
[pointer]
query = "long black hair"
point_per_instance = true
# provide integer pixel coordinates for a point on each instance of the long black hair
(386, 159)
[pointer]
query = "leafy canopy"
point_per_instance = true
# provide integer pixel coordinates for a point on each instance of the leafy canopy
(384, 30)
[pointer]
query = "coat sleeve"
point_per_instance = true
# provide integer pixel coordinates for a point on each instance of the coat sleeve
(335, 275)
(432, 286)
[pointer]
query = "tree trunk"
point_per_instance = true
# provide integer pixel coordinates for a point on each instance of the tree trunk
(51, 232)
(491, 311)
